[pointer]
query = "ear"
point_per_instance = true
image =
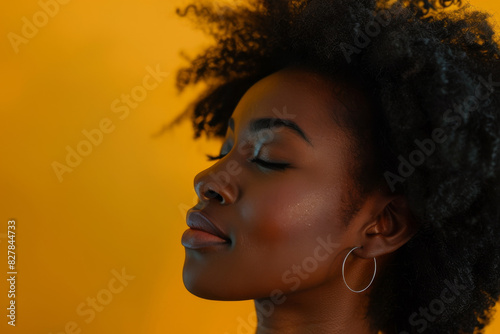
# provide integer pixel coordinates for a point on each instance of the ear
(390, 229)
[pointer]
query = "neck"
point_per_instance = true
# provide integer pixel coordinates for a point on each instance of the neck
(332, 310)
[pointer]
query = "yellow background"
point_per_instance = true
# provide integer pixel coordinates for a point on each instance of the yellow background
(124, 205)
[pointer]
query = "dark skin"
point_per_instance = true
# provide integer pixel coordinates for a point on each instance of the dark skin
(275, 208)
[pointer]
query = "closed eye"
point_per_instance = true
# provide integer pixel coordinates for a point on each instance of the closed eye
(270, 165)
(256, 160)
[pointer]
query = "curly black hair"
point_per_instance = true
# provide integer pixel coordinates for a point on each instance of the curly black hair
(429, 68)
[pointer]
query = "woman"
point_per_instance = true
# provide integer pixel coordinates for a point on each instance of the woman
(357, 187)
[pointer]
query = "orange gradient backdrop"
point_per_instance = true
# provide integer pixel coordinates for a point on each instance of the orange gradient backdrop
(120, 211)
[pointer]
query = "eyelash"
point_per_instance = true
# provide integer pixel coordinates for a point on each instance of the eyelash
(260, 162)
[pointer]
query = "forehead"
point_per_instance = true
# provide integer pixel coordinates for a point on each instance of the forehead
(314, 103)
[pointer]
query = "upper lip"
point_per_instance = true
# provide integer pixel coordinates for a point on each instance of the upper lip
(199, 221)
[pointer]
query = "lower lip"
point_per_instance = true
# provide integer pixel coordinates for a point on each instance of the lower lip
(196, 239)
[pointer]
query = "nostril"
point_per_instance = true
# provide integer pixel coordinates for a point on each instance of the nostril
(212, 194)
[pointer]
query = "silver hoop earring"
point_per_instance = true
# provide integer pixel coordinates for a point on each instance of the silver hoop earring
(343, 276)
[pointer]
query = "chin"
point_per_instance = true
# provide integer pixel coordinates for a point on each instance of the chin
(206, 286)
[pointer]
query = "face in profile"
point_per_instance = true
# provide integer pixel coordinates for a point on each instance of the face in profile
(273, 211)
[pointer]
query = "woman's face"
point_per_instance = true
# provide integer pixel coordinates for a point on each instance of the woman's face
(280, 195)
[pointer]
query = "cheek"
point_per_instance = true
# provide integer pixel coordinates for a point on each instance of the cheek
(287, 227)
(291, 213)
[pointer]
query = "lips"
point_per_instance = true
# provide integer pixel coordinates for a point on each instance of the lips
(202, 233)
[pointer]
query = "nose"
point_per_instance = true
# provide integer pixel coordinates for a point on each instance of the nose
(216, 183)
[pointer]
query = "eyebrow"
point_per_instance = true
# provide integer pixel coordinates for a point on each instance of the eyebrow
(273, 122)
